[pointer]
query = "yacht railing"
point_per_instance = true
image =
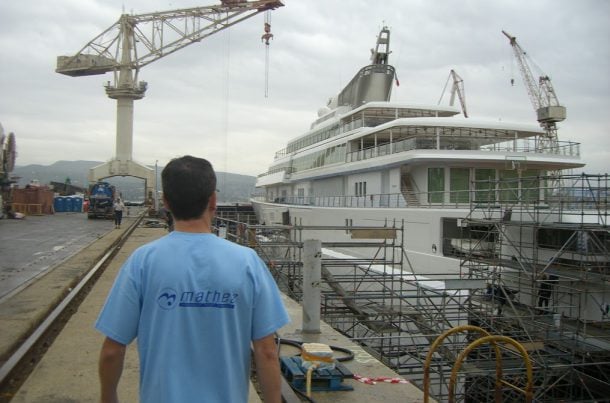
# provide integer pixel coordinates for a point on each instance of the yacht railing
(567, 193)
(564, 148)
(287, 170)
(453, 199)
(530, 145)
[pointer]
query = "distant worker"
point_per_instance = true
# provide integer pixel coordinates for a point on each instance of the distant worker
(166, 215)
(502, 295)
(118, 207)
(196, 304)
(545, 290)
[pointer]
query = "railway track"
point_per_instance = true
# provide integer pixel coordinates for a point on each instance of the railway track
(29, 352)
(21, 361)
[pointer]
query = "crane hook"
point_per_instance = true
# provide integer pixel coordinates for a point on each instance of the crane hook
(267, 35)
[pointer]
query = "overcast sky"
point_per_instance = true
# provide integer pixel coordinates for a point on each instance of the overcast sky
(208, 99)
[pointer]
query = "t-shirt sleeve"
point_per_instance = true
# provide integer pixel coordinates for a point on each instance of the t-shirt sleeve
(269, 312)
(120, 316)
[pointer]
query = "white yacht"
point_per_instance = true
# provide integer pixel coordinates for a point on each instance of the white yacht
(368, 161)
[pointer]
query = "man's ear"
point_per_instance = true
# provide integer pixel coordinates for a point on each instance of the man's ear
(212, 202)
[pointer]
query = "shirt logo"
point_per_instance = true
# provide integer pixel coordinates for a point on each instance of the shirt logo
(208, 299)
(167, 299)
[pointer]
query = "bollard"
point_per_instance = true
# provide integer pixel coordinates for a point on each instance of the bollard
(312, 268)
(222, 231)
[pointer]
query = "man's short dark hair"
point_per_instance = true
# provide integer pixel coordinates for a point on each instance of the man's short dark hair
(188, 182)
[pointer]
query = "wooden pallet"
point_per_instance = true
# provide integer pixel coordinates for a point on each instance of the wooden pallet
(321, 380)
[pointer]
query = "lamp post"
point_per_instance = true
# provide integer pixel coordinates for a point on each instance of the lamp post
(156, 191)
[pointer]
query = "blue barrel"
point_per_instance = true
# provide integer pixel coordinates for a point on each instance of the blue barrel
(68, 204)
(77, 204)
(59, 204)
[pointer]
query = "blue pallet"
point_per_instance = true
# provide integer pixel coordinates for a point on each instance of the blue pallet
(321, 380)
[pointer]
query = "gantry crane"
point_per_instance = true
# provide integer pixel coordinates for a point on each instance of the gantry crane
(456, 88)
(542, 95)
(135, 41)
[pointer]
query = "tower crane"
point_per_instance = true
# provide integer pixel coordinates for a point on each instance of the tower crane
(135, 41)
(542, 95)
(456, 88)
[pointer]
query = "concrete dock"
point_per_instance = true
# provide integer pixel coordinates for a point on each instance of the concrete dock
(68, 371)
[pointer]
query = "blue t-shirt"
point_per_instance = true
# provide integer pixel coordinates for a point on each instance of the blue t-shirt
(195, 302)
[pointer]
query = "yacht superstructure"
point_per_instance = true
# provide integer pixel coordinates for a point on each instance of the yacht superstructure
(367, 160)
(468, 221)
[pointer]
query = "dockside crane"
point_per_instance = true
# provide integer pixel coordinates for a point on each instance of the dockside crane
(542, 95)
(456, 88)
(135, 41)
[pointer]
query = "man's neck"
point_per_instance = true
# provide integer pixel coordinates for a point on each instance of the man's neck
(198, 225)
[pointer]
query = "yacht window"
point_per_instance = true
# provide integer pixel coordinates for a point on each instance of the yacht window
(360, 188)
(484, 185)
(530, 186)
(509, 186)
(461, 240)
(348, 223)
(436, 185)
(574, 240)
(459, 181)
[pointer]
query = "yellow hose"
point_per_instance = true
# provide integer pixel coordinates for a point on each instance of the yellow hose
(308, 383)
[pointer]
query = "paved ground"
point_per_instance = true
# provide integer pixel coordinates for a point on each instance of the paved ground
(68, 372)
(30, 247)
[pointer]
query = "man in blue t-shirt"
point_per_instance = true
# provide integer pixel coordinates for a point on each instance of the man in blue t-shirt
(196, 303)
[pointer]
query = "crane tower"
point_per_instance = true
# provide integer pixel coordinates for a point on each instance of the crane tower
(541, 94)
(135, 41)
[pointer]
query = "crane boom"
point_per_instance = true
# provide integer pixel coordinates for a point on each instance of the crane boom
(541, 93)
(156, 35)
(135, 41)
(456, 88)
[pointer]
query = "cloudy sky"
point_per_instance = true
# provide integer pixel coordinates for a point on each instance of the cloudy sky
(208, 99)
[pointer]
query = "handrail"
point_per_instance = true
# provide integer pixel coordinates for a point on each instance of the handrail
(565, 148)
(566, 193)
(448, 143)
(528, 391)
(486, 338)
(440, 339)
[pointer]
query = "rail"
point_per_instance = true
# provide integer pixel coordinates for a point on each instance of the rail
(563, 148)
(17, 361)
(568, 194)
(452, 143)
(18, 366)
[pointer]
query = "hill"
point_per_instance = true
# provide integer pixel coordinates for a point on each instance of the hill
(233, 187)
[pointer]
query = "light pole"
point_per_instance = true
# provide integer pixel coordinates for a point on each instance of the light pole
(156, 191)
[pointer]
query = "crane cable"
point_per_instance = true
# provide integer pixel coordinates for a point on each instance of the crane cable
(265, 38)
(226, 66)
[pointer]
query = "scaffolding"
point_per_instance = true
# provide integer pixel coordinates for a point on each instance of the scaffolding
(367, 294)
(544, 282)
(547, 283)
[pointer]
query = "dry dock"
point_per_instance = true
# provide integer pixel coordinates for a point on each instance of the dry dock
(68, 370)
